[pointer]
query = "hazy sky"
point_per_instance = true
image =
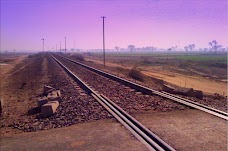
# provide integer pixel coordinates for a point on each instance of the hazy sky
(160, 23)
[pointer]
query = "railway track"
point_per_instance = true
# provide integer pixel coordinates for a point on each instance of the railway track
(149, 139)
(149, 91)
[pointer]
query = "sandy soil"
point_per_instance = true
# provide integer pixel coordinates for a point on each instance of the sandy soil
(197, 82)
(6, 68)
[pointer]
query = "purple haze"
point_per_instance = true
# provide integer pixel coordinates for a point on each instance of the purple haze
(160, 23)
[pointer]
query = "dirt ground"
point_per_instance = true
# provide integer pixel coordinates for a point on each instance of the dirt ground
(98, 135)
(22, 80)
(184, 130)
(196, 82)
(6, 68)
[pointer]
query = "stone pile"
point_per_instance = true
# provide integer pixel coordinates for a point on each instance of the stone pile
(190, 92)
(49, 102)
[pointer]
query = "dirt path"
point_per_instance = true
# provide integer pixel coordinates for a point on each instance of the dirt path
(6, 68)
(196, 82)
(98, 135)
(184, 130)
(187, 130)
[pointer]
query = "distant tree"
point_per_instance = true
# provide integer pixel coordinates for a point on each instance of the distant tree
(117, 48)
(190, 47)
(169, 49)
(205, 49)
(215, 46)
(131, 47)
(151, 48)
(172, 48)
(223, 49)
(72, 49)
(186, 48)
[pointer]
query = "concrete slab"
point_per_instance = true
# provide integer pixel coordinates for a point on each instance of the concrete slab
(56, 92)
(54, 96)
(49, 108)
(41, 101)
(47, 89)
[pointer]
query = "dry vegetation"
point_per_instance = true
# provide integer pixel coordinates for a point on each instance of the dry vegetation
(136, 74)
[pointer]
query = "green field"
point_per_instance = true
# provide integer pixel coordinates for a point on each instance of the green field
(207, 64)
(203, 58)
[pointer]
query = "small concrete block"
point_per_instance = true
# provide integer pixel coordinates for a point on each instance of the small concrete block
(54, 96)
(56, 92)
(55, 102)
(48, 89)
(41, 101)
(49, 108)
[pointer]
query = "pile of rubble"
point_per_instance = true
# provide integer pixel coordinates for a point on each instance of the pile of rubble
(49, 102)
(183, 91)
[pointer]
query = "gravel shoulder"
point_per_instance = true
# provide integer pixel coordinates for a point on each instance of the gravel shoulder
(21, 113)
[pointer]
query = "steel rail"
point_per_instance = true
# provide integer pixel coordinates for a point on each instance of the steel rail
(150, 91)
(149, 139)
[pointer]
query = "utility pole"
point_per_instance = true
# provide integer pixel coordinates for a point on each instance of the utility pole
(65, 44)
(103, 17)
(43, 44)
(56, 48)
(60, 46)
